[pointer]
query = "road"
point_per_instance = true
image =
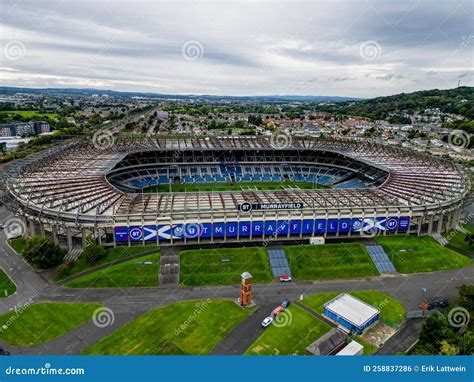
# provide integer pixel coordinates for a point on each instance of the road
(406, 289)
(28, 282)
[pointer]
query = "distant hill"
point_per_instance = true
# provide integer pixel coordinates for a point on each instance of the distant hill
(456, 101)
(206, 98)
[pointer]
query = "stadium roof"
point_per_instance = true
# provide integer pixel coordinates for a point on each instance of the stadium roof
(71, 179)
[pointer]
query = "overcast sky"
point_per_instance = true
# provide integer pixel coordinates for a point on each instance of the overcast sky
(355, 48)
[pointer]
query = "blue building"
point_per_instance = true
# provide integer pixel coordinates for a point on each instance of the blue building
(351, 313)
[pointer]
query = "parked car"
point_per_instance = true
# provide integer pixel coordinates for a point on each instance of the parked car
(285, 303)
(285, 279)
(267, 321)
(278, 310)
(434, 303)
(2, 226)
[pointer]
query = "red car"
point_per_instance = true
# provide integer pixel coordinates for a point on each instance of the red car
(278, 310)
(285, 279)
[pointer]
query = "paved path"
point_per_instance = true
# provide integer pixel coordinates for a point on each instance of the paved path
(405, 338)
(315, 314)
(462, 251)
(245, 333)
(28, 282)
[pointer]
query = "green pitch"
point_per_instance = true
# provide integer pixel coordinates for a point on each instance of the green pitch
(233, 186)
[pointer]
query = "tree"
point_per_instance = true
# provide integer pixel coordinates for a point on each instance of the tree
(255, 120)
(438, 336)
(435, 329)
(93, 253)
(466, 297)
(448, 349)
(466, 344)
(42, 253)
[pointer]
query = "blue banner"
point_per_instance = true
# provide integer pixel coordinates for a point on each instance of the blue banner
(295, 227)
(218, 229)
(259, 228)
(283, 227)
(121, 234)
(248, 368)
(206, 230)
(245, 228)
(232, 229)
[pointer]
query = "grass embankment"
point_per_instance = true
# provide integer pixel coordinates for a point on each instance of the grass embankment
(412, 254)
(192, 328)
(330, 261)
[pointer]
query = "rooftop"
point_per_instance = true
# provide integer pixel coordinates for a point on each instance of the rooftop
(352, 309)
(351, 349)
(326, 344)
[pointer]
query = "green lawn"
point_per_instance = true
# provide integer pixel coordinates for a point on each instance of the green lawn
(18, 245)
(112, 254)
(28, 113)
(7, 287)
(205, 266)
(125, 275)
(368, 348)
(420, 254)
(297, 330)
(456, 239)
(192, 328)
(390, 309)
(330, 261)
(231, 186)
(42, 322)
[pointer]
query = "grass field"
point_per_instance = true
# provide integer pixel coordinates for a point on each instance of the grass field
(330, 261)
(390, 309)
(204, 267)
(237, 186)
(368, 348)
(129, 274)
(297, 330)
(18, 244)
(112, 254)
(7, 287)
(193, 328)
(28, 113)
(42, 322)
(456, 239)
(420, 254)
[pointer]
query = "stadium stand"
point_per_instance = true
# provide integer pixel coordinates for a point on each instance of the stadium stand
(78, 189)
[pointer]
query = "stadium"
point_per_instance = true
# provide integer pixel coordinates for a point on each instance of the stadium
(232, 189)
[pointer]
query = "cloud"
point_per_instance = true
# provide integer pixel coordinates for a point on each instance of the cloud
(248, 48)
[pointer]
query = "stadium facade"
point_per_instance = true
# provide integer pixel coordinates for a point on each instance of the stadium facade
(360, 189)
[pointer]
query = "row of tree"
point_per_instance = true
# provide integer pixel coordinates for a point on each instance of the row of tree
(450, 332)
(43, 253)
